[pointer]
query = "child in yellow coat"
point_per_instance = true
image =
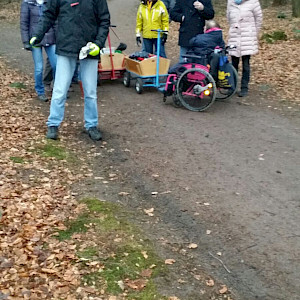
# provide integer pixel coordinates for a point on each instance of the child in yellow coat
(152, 15)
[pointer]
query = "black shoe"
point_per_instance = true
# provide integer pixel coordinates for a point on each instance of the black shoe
(243, 93)
(52, 133)
(94, 134)
(43, 98)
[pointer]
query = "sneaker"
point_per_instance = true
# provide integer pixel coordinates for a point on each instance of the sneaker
(52, 133)
(243, 93)
(94, 134)
(43, 98)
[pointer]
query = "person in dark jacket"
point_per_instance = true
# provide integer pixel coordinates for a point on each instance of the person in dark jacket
(205, 43)
(81, 25)
(169, 4)
(31, 12)
(191, 15)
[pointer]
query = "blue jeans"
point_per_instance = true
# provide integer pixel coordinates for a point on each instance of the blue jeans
(183, 51)
(64, 72)
(150, 44)
(37, 55)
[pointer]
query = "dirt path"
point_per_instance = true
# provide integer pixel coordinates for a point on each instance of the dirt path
(241, 160)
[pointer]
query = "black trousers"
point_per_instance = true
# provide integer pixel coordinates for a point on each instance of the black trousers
(245, 71)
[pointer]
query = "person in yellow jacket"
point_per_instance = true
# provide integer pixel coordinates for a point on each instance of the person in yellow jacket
(152, 14)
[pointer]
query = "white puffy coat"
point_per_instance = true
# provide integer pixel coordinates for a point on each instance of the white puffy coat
(245, 21)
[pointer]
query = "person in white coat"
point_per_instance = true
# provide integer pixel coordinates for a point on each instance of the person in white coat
(245, 21)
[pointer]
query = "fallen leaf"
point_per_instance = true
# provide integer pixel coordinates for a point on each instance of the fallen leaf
(124, 194)
(223, 290)
(170, 261)
(121, 285)
(149, 212)
(138, 284)
(145, 254)
(146, 273)
(210, 282)
(192, 246)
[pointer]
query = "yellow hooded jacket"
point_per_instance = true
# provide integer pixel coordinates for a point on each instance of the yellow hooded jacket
(149, 18)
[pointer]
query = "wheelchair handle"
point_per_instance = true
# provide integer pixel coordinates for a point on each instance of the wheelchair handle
(193, 56)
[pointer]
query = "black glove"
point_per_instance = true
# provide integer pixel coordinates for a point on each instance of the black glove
(138, 41)
(27, 46)
(164, 38)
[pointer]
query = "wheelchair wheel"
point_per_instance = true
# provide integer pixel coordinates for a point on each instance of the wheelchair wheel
(196, 89)
(225, 93)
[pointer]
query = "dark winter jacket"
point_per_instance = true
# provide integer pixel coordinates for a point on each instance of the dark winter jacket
(169, 4)
(194, 20)
(208, 41)
(31, 13)
(79, 22)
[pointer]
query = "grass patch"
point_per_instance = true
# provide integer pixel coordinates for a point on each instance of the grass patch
(88, 253)
(270, 38)
(128, 263)
(122, 258)
(52, 149)
(18, 85)
(78, 225)
(17, 160)
(149, 293)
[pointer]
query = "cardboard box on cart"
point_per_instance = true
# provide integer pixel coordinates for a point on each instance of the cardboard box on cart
(147, 67)
(105, 61)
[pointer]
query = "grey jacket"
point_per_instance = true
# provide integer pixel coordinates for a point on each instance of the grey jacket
(31, 13)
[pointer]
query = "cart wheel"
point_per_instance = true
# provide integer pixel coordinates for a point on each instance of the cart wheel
(139, 85)
(126, 79)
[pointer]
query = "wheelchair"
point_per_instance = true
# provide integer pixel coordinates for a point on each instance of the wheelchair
(199, 82)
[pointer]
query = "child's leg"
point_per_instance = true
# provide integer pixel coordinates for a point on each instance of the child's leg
(246, 72)
(148, 44)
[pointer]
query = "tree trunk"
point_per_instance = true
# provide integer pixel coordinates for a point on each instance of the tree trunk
(296, 8)
(279, 2)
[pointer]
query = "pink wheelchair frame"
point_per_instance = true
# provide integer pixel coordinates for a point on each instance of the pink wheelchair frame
(193, 78)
